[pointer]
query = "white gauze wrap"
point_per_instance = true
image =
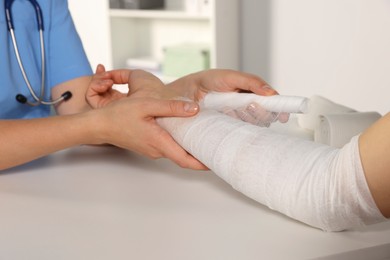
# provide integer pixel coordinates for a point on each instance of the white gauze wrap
(288, 104)
(319, 185)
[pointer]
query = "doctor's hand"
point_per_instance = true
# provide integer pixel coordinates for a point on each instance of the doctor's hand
(130, 123)
(196, 86)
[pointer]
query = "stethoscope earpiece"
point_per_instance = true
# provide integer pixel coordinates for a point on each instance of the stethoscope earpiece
(21, 98)
(67, 95)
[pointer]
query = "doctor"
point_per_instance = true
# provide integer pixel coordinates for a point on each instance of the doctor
(43, 63)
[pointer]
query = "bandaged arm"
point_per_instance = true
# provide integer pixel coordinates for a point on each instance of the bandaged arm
(321, 186)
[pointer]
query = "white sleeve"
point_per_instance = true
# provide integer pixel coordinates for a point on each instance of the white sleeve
(319, 185)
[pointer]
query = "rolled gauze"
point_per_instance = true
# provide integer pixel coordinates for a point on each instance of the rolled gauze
(337, 129)
(278, 103)
(318, 106)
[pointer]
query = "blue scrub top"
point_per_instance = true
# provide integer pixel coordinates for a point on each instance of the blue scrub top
(65, 56)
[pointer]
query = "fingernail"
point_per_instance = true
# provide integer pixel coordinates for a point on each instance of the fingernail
(269, 90)
(191, 107)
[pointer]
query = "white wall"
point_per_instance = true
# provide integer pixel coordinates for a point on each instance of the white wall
(336, 48)
(92, 23)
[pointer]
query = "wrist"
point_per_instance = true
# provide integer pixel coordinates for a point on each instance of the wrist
(94, 128)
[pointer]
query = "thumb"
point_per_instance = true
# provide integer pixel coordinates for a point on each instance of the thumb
(102, 86)
(100, 69)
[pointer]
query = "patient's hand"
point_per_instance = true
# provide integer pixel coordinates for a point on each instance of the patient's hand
(140, 83)
(100, 92)
(256, 115)
(144, 84)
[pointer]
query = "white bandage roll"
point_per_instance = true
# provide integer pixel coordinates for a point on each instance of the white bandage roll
(337, 129)
(313, 183)
(277, 103)
(318, 106)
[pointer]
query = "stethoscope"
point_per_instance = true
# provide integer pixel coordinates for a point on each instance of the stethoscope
(19, 97)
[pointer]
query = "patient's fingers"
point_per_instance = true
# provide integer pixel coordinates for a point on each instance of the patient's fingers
(256, 115)
(230, 112)
(284, 117)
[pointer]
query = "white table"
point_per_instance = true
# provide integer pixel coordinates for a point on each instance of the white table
(105, 203)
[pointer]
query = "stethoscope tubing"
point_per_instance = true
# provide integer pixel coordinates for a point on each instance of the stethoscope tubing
(38, 99)
(8, 13)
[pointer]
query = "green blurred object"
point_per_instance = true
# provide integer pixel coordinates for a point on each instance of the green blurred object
(180, 60)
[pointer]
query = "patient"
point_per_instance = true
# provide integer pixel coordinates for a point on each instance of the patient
(325, 187)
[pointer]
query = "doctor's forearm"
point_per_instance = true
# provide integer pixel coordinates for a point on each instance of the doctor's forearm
(22, 141)
(78, 87)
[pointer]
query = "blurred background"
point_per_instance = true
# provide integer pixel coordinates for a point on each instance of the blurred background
(339, 49)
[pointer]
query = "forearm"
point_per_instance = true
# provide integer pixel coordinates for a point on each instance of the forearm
(77, 104)
(24, 140)
(374, 147)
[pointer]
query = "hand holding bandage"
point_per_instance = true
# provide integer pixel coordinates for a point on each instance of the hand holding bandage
(228, 87)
